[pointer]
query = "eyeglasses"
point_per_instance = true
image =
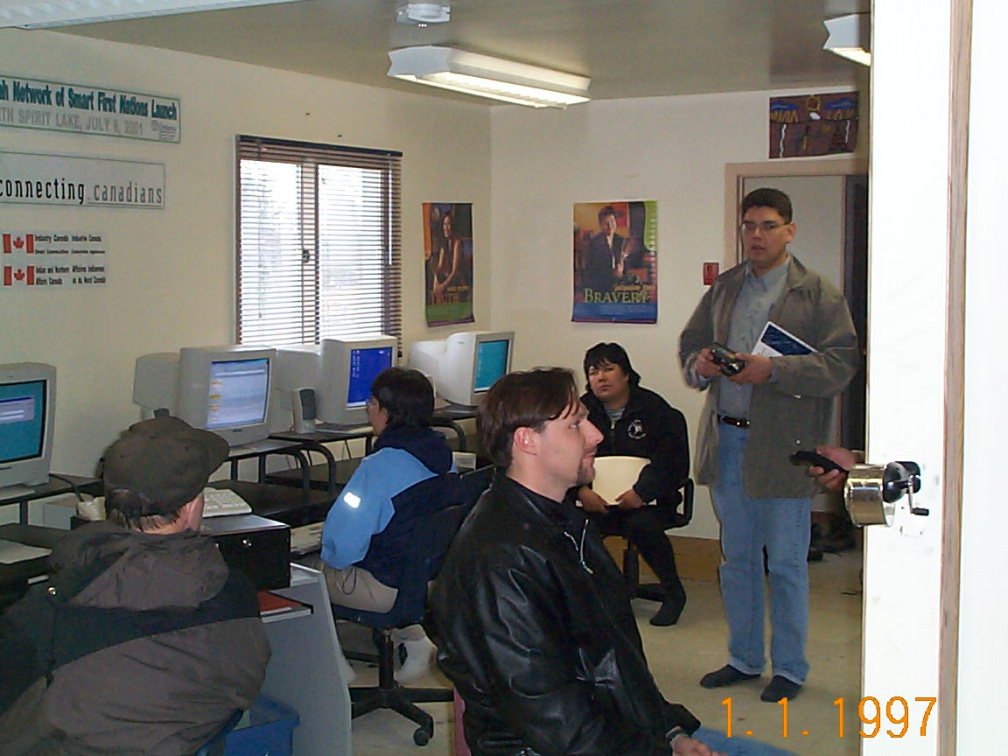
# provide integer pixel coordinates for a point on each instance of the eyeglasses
(749, 227)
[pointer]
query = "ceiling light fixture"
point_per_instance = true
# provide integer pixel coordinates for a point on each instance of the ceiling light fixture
(486, 76)
(422, 14)
(41, 14)
(850, 37)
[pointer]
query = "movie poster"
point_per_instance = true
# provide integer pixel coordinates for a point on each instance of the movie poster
(448, 262)
(615, 262)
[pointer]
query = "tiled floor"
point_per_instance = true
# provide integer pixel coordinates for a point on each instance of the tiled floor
(680, 655)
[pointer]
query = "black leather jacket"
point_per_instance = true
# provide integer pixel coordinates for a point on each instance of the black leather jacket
(534, 628)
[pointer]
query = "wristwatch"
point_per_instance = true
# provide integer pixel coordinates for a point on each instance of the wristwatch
(671, 735)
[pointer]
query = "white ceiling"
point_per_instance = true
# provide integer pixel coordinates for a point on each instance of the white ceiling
(629, 48)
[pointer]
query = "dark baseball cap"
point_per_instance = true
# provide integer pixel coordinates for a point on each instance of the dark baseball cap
(165, 460)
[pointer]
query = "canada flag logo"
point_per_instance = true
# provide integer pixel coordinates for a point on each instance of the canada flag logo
(18, 270)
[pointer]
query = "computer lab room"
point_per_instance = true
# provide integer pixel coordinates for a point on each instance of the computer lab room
(134, 132)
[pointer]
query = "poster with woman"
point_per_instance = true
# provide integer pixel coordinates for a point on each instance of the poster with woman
(448, 262)
(615, 262)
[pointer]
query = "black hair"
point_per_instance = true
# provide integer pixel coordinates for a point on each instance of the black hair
(526, 399)
(606, 211)
(610, 352)
(406, 395)
(767, 197)
(138, 511)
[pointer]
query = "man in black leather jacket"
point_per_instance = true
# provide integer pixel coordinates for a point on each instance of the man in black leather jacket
(530, 613)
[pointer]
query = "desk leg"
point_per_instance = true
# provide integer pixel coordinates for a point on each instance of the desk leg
(304, 673)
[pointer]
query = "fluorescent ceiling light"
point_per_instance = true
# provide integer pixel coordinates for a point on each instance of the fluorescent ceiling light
(39, 14)
(485, 76)
(850, 37)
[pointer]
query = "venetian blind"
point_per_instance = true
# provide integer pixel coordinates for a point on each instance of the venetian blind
(318, 242)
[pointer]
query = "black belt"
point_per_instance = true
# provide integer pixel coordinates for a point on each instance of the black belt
(738, 422)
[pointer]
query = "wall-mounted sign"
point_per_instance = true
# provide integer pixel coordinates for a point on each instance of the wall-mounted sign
(86, 109)
(32, 259)
(30, 179)
(816, 124)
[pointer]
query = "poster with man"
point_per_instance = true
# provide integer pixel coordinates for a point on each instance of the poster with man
(615, 262)
(448, 262)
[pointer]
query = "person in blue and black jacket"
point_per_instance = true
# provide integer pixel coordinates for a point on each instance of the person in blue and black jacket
(369, 526)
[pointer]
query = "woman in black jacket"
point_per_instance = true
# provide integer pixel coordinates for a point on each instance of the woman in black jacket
(636, 422)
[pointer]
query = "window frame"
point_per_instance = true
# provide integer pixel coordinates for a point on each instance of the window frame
(310, 157)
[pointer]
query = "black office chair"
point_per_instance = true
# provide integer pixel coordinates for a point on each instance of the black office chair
(631, 558)
(428, 544)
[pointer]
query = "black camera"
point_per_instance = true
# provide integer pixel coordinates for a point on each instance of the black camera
(729, 363)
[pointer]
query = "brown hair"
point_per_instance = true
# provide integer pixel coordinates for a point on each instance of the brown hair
(527, 399)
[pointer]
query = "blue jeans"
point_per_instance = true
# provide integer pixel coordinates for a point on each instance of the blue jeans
(783, 527)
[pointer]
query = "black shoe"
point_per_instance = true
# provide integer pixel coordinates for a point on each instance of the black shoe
(779, 689)
(727, 675)
(671, 608)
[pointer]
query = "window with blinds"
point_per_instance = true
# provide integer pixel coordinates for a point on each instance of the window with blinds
(319, 245)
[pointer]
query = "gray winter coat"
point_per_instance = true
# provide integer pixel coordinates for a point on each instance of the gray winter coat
(792, 413)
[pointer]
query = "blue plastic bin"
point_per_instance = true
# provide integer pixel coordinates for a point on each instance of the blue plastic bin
(267, 729)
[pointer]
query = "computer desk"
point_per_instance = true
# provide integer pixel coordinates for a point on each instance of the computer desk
(303, 671)
(58, 484)
(333, 474)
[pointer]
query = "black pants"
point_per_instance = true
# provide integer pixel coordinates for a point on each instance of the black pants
(645, 529)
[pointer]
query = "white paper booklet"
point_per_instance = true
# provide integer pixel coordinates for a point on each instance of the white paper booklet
(614, 475)
(775, 341)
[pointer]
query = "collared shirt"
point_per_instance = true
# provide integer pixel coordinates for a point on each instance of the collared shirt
(752, 310)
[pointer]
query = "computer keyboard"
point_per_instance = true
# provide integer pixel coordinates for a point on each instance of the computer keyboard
(306, 538)
(12, 552)
(223, 501)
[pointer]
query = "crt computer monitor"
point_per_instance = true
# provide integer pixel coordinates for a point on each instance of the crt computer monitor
(27, 416)
(295, 369)
(347, 368)
(226, 390)
(465, 365)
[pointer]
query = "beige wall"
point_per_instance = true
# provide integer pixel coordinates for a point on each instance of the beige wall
(672, 150)
(171, 274)
(171, 271)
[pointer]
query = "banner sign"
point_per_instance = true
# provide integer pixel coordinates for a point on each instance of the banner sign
(52, 258)
(30, 179)
(85, 109)
(615, 262)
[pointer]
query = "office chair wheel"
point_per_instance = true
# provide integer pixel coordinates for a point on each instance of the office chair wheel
(421, 736)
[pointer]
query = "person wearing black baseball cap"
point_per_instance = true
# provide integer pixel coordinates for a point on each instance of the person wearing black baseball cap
(142, 640)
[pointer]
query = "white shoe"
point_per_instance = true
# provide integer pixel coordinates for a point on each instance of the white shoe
(347, 673)
(419, 654)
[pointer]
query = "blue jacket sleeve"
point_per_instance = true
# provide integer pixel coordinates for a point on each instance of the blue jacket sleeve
(363, 508)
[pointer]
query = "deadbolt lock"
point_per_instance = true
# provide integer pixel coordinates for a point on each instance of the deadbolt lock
(872, 491)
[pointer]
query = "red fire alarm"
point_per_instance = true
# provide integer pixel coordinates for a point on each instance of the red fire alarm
(710, 272)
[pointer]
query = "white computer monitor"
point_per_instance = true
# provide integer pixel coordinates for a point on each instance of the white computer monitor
(223, 389)
(465, 365)
(27, 418)
(296, 369)
(347, 368)
(155, 383)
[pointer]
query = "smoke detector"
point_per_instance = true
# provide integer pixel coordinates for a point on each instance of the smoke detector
(422, 14)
